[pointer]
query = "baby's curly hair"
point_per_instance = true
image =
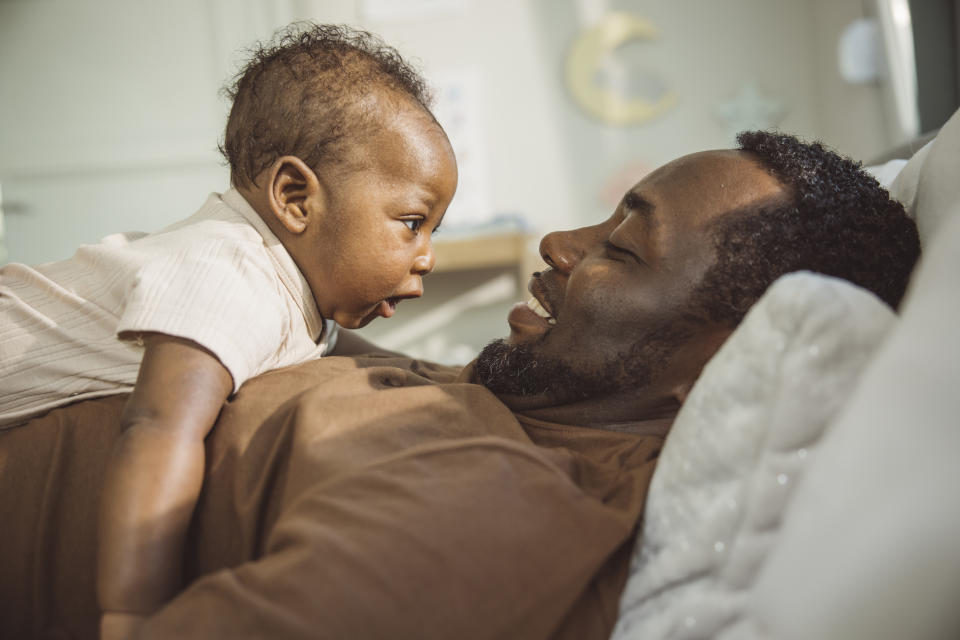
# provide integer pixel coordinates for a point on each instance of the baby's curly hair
(302, 94)
(836, 220)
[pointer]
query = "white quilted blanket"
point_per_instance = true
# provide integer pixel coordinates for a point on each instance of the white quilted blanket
(738, 448)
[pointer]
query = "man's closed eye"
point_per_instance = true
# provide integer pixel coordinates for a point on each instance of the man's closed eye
(619, 253)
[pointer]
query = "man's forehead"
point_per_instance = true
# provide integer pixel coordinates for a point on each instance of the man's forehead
(719, 180)
(707, 166)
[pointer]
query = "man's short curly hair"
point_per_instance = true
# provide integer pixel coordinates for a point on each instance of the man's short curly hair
(836, 220)
(302, 94)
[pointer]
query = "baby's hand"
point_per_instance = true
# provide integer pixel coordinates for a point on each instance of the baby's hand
(120, 626)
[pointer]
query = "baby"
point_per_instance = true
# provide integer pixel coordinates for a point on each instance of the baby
(340, 174)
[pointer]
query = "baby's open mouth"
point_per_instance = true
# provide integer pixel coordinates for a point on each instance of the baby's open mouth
(387, 307)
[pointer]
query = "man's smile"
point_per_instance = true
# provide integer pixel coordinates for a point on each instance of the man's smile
(533, 318)
(539, 309)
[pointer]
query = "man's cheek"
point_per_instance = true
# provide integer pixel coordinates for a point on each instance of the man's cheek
(592, 292)
(610, 303)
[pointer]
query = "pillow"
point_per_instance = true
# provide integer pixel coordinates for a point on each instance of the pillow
(870, 547)
(928, 186)
(737, 449)
(887, 172)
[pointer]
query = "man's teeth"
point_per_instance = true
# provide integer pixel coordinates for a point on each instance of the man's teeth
(538, 309)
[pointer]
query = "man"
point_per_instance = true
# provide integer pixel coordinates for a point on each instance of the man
(375, 497)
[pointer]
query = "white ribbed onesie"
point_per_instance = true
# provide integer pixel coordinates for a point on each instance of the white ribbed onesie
(69, 330)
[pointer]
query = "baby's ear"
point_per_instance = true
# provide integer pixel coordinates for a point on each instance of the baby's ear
(293, 193)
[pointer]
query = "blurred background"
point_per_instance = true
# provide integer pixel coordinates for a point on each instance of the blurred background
(110, 113)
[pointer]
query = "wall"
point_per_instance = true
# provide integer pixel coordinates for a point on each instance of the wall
(109, 119)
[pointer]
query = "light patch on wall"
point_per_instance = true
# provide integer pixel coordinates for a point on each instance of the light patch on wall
(458, 110)
(860, 52)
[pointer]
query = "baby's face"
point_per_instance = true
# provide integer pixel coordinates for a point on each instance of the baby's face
(374, 244)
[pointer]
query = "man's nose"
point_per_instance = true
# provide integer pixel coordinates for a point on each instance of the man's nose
(425, 260)
(562, 250)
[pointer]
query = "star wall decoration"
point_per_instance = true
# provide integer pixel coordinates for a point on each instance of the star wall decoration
(749, 109)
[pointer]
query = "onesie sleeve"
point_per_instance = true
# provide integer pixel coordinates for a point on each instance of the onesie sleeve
(224, 295)
(331, 333)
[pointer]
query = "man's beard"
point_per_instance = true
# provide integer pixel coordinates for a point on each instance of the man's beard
(519, 370)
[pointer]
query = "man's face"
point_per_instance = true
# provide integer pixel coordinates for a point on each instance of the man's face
(615, 311)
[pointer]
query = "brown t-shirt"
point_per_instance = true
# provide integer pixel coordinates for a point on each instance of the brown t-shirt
(346, 498)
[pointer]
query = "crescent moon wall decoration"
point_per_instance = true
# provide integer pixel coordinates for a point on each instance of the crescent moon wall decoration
(584, 59)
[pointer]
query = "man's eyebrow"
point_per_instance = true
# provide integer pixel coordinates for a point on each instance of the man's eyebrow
(638, 204)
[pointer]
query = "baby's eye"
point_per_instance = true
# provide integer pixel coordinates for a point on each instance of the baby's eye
(414, 224)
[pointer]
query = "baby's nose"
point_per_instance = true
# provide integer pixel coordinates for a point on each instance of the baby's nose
(424, 262)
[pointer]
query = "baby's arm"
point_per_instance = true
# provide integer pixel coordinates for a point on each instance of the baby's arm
(154, 478)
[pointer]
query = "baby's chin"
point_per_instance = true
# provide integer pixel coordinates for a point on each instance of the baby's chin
(352, 322)
(383, 309)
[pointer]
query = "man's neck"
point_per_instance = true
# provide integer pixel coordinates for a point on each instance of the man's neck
(609, 413)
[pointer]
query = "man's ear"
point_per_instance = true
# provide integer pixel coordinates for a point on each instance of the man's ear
(294, 193)
(681, 391)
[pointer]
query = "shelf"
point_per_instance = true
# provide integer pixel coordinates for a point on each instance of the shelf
(514, 250)
(478, 252)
